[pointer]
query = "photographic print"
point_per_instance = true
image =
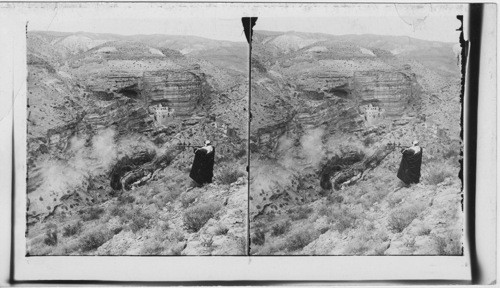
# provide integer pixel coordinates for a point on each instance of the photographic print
(136, 132)
(355, 139)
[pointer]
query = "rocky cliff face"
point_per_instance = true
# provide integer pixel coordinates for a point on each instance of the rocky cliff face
(388, 90)
(179, 90)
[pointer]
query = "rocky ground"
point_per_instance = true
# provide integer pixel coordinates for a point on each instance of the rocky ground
(323, 178)
(104, 178)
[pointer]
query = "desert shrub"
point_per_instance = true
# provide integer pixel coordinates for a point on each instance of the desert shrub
(334, 198)
(196, 217)
(437, 173)
(280, 228)
(342, 217)
(400, 218)
(301, 212)
(126, 199)
(173, 192)
(424, 231)
(449, 244)
(188, 198)
(138, 220)
(207, 241)
(51, 235)
(221, 230)
(153, 247)
(299, 239)
(91, 213)
(228, 175)
(94, 239)
(368, 141)
(177, 249)
(358, 246)
(259, 237)
(72, 229)
(345, 220)
(240, 153)
(117, 211)
(394, 199)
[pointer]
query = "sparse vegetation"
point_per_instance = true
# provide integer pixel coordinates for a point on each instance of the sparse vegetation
(91, 213)
(72, 229)
(126, 199)
(301, 212)
(117, 211)
(437, 174)
(94, 239)
(400, 218)
(340, 216)
(187, 198)
(153, 247)
(448, 244)
(51, 235)
(228, 175)
(259, 237)
(221, 230)
(196, 217)
(280, 228)
(300, 239)
(137, 218)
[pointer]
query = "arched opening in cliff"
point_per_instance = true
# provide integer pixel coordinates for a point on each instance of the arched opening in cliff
(341, 91)
(132, 91)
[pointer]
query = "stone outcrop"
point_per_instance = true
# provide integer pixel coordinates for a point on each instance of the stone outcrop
(390, 90)
(179, 90)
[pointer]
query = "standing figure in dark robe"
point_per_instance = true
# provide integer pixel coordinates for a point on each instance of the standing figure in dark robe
(409, 169)
(202, 170)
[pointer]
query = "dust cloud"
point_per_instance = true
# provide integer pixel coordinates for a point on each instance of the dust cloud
(86, 159)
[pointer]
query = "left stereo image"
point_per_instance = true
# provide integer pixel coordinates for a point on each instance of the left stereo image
(136, 134)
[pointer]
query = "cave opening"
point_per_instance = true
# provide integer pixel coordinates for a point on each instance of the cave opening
(341, 91)
(130, 92)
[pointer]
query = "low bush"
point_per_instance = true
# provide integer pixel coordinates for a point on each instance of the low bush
(196, 217)
(138, 220)
(437, 174)
(369, 140)
(358, 247)
(301, 212)
(228, 175)
(188, 198)
(341, 217)
(72, 229)
(221, 230)
(91, 213)
(240, 153)
(94, 239)
(51, 235)
(258, 238)
(117, 211)
(126, 199)
(153, 247)
(449, 244)
(400, 218)
(280, 228)
(299, 239)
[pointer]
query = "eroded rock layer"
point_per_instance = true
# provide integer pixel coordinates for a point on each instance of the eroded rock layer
(179, 90)
(390, 90)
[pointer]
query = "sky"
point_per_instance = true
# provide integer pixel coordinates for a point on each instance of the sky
(436, 22)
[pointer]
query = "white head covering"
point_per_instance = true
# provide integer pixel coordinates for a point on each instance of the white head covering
(207, 142)
(415, 142)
